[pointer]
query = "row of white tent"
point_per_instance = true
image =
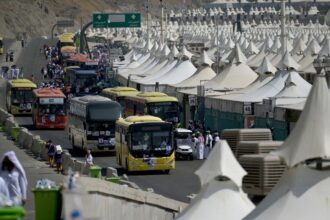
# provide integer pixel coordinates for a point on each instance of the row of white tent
(233, 11)
(301, 193)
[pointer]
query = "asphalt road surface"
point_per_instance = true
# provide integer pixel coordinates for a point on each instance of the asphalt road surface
(180, 183)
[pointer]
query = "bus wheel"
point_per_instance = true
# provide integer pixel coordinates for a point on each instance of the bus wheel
(72, 142)
(127, 169)
(119, 160)
(167, 171)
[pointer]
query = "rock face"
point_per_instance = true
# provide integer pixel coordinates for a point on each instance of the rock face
(33, 18)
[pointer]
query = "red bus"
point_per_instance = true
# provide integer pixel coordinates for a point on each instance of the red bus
(49, 109)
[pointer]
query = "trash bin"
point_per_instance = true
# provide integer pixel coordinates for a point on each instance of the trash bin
(95, 171)
(12, 213)
(113, 179)
(2, 128)
(48, 203)
(15, 132)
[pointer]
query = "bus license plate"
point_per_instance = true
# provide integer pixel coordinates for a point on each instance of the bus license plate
(101, 140)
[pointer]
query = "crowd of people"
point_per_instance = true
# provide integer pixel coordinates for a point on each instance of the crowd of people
(203, 143)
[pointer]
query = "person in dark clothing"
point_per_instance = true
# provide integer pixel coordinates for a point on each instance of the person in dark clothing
(50, 152)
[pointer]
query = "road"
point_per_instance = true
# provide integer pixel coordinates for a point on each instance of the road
(177, 185)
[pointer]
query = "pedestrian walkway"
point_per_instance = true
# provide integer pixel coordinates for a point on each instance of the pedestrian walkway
(34, 169)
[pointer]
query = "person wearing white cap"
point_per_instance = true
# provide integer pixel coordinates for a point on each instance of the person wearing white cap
(58, 158)
(14, 176)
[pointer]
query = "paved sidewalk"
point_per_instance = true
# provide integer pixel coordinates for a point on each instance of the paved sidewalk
(34, 169)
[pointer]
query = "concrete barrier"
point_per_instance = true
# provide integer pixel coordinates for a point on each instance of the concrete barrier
(21, 136)
(4, 115)
(115, 198)
(111, 172)
(66, 161)
(37, 144)
(28, 141)
(9, 124)
(78, 166)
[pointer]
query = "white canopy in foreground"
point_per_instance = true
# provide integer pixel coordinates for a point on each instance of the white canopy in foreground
(218, 200)
(310, 138)
(221, 162)
(301, 193)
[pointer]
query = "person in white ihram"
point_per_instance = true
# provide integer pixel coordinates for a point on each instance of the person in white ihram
(200, 146)
(89, 159)
(14, 176)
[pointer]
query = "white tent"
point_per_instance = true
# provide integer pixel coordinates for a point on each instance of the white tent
(203, 74)
(234, 76)
(221, 161)
(301, 193)
(310, 138)
(218, 200)
(182, 71)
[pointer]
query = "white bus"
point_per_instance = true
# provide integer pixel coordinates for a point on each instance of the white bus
(92, 121)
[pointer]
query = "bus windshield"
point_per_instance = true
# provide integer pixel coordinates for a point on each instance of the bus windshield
(57, 110)
(155, 143)
(70, 44)
(167, 111)
(96, 130)
(104, 112)
(22, 95)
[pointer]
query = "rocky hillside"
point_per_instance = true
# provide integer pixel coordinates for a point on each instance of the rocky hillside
(36, 17)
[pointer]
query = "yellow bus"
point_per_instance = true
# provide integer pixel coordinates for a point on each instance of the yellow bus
(153, 103)
(1, 45)
(119, 93)
(19, 96)
(144, 143)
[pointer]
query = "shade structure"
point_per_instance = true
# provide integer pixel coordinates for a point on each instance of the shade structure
(302, 193)
(310, 137)
(218, 200)
(221, 162)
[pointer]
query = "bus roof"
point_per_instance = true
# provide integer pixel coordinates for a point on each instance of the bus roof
(153, 97)
(120, 91)
(21, 83)
(80, 71)
(67, 34)
(48, 93)
(91, 99)
(140, 119)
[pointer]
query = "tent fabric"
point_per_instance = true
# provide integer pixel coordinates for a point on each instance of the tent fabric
(168, 67)
(272, 88)
(301, 193)
(221, 162)
(204, 73)
(310, 137)
(265, 67)
(179, 73)
(234, 76)
(218, 200)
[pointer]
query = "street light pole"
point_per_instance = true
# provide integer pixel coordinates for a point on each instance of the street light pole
(161, 22)
(283, 34)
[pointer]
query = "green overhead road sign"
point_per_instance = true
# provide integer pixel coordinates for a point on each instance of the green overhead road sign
(116, 20)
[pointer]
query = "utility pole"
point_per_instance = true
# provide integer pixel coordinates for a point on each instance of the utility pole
(218, 45)
(161, 22)
(148, 15)
(283, 32)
